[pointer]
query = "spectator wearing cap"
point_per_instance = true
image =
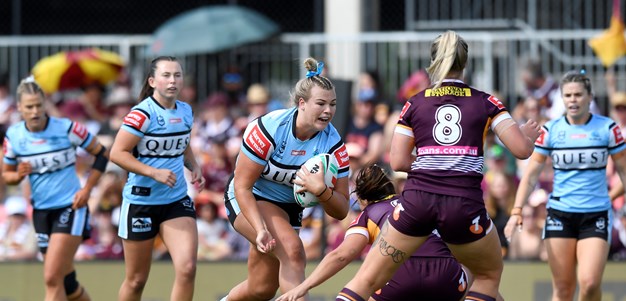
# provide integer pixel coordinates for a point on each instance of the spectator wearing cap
(118, 102)
(617, 100)
(363, 130)
(17, 236)
(257, 104)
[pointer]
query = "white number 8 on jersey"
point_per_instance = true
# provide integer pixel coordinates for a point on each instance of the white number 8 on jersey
(447, 130)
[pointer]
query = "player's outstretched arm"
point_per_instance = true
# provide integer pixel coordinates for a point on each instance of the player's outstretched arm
(335, 261)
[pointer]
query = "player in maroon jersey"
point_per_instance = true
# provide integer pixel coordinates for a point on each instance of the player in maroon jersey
(439, 141)
(432, 273)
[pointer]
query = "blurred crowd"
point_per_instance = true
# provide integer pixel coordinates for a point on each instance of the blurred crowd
(220, 120)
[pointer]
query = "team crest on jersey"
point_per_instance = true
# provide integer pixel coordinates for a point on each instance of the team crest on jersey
(160, 120)
(141, 224)
(561, 135)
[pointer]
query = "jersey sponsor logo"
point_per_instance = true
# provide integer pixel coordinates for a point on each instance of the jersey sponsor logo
(601, 224)
(342, 157)
(167, 146)
(617, 134)
(397, 211)
(176, 120)
(51, 161)
(541, 139)
(578, 136)
(462, 283)
(5, 146)
(135, 119)
(257, 141)
(280, 175)
(448, 150)
(38, 142)
(298, 152)
(553, 224)
(405, 108)
(476, 228)
(496, 102)
(80, 131)
(141, 224)
(448, 90)
(579, 158)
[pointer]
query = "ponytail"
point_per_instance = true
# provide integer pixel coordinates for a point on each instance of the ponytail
(448, 53)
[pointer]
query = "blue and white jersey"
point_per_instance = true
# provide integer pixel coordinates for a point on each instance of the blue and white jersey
(52, 155)
(579, 156)
(164, 138)
(270, 141)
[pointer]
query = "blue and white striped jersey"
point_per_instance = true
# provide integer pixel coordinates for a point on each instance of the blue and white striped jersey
(165, 135)
(579, 156)
(270, 141)
(52, 155)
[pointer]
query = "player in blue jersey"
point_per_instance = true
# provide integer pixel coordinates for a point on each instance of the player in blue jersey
(431, 273)
(152, 146)
(439, 141)
(44, 149)
(259, 198)
(578, 224)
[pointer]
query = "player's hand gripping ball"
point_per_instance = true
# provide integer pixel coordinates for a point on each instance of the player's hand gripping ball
(325, 163)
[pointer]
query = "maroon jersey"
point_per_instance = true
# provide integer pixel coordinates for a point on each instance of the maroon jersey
(372, 219)
(449, 125)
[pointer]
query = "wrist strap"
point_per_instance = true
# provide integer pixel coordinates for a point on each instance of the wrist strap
(323, 191)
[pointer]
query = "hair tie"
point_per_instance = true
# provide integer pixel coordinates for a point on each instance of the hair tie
(320, 68)
(30, 79)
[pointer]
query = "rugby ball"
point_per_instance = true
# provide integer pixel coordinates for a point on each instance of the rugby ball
(325, 163)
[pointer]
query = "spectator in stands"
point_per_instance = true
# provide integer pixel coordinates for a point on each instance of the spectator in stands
(215, 123)
(500, 196)
(118, 102)
(618, 236)
(212, 232)
(363, 130)
(311, 233)
(542, 86)
(528, 243)
(17, 236)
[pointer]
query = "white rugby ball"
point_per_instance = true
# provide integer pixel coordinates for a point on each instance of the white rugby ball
(325, 163)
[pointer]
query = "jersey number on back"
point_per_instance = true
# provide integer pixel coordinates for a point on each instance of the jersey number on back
(447, 130)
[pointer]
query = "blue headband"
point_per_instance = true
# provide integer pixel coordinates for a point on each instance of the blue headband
(320, 68)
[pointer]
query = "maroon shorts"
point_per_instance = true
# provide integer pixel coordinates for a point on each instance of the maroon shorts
(458, 220)
(425, 278)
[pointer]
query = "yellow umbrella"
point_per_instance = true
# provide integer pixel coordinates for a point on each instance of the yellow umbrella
(75, 69)
(611, 44)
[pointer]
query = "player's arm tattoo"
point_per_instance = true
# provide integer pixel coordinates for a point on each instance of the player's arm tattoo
(387, 249)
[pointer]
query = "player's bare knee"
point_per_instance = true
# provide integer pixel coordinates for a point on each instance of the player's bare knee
(136, 284)
(186, 272)
(295, 256)
(588, 286)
